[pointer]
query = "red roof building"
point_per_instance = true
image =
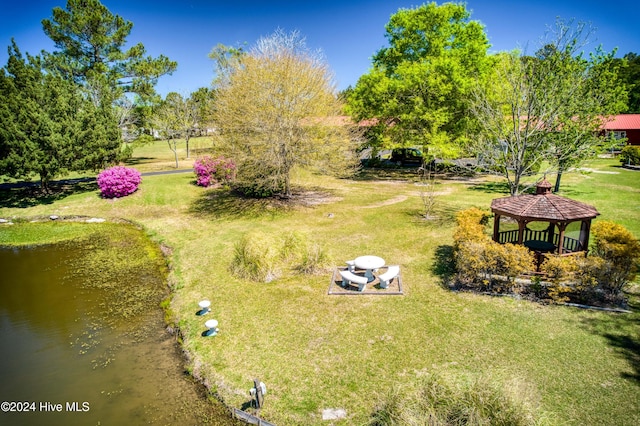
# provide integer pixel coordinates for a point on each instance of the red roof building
(625, 126)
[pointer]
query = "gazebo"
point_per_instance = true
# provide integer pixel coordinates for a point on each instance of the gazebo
(543, 206)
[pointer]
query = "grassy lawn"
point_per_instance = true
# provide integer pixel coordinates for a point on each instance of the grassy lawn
(316, 351)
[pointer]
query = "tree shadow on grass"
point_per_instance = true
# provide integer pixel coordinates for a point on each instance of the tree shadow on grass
(622, 334)
(492, 188)
(374, 174)
(136, 161)
(30, 195)
(441, 215)
(444, 266)
(224, 204)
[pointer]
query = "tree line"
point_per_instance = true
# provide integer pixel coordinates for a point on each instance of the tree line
(518, 113)
(60, 110)
(274, 106)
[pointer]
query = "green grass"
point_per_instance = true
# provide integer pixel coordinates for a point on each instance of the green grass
(316, 351)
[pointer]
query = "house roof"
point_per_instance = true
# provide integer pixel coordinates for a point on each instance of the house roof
(623, 122)
(543, 206)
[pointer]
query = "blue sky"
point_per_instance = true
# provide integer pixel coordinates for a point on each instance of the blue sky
(349, 32)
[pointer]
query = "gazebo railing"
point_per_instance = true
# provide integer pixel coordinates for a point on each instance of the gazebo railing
(569, 245)
(512, 236)
(508, 237)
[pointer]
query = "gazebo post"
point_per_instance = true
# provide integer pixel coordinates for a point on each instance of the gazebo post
(562, 226)
(496, 227)
(521, 225)
(585, 231)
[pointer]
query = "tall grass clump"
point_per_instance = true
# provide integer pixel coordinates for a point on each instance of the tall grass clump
(433, 400)
(256, 257)
(304, 255)
(261, 257)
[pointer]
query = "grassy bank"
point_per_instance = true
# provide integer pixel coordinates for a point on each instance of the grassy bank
(316, 351)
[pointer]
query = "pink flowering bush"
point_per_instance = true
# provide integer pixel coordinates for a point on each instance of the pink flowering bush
(210, 170)
(118, 181)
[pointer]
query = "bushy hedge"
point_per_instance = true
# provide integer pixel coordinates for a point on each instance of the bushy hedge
(479, 259)
(620, 251)
(485, 265)
(118, 181)
(630, 154)
(210, 171)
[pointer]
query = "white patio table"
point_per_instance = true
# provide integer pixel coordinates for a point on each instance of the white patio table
(369, 263)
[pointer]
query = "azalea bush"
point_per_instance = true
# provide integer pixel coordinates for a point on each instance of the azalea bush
(210, 171)
(118, 181)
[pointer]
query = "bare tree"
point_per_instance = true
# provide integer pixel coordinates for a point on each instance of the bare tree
(428, 193)
(276, 108)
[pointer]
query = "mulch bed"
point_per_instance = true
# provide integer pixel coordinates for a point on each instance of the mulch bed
(373, 287)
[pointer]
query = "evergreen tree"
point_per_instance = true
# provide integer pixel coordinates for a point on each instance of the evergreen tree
(90, 42)
(49, 126)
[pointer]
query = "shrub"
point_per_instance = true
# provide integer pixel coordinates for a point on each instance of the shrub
(478, 258)
(630, 154)
(471, 225)
(118, 181)
(514, 260)
(210, 171)
(559, 270)
(621, 253)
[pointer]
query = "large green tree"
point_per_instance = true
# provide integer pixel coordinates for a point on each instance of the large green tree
(630, 75)
(91, 51)
(276, 108)
(546, 109)
(422, 81)
(49, 125)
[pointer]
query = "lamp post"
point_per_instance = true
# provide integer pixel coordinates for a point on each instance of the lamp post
(212, 326)
(204, 307)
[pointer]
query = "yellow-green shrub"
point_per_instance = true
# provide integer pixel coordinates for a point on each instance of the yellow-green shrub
(471, 225)
(620, 251)
(514, 260)
(479, 259)
(559, 270)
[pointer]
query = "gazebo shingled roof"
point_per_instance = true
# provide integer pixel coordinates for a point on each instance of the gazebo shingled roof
(546, 207)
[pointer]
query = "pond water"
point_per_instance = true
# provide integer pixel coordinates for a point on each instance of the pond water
(76, 349)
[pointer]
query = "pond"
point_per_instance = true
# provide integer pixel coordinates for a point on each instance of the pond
(83, 339)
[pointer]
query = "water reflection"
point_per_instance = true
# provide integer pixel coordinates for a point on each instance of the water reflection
(91, 342)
